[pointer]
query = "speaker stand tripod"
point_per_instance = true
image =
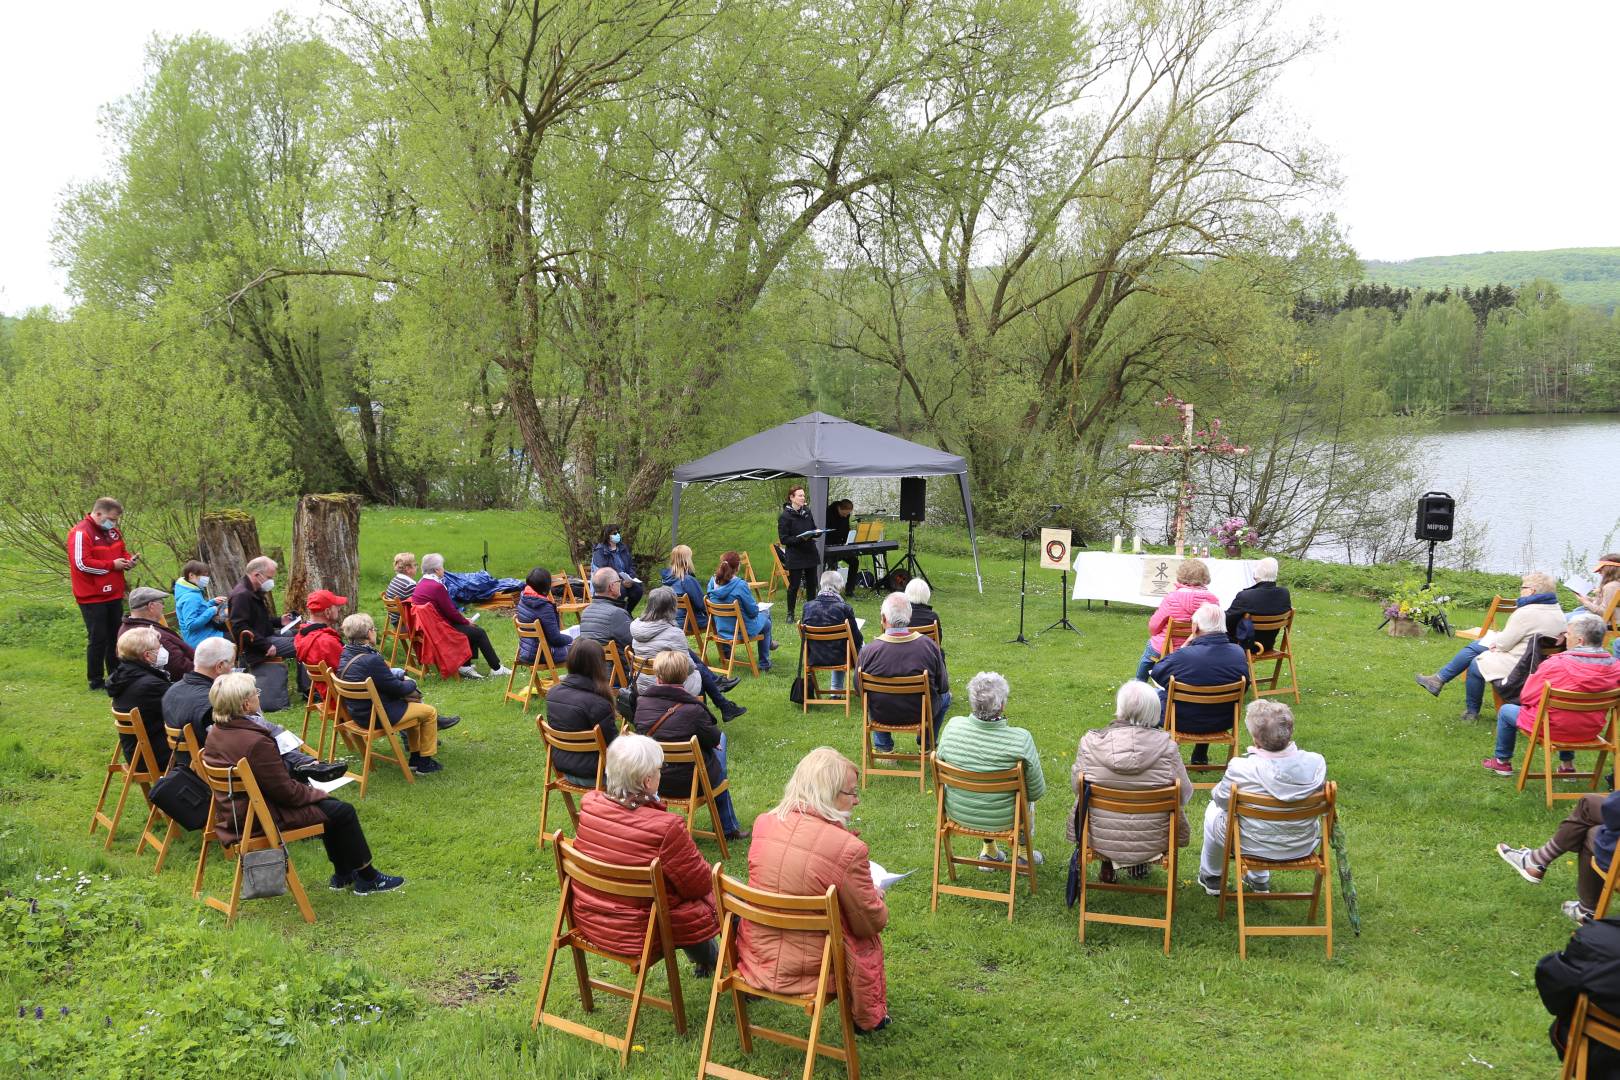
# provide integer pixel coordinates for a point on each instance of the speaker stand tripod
(1064, 621)
(908, 561)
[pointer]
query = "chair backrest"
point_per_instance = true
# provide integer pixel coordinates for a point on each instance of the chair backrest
(578, 742)
(780, 911)
(533, 631)
(1318, 804)
(1498, 605)
(1180, 693)
(689, 623)
(1283, 623)
(585, 579)
(640, 665)
(1598, 701)
(130, 723)
(176, 737)
(1176, 633)
(1159, 800)
(359, 691)
(615, 659)
(928, 630)
(238, 779)
(1588, 1022)
(745, 570)
(994, 781)
(899, 686)
(630, 882)
(825, 634)
(686, 752)
(727, 610)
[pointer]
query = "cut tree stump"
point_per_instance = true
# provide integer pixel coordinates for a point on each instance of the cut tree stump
(226, 541)
(325, 550)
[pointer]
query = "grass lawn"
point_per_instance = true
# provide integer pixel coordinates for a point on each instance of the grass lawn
(439, 979)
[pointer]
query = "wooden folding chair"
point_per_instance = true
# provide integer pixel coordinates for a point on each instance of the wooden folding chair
(689, 623)
(361, 738)
(1160, 800)
(1611, 620)
(928, 630)
(1607, 894)
(1607, 742)
(543, 673)
(897, 686)
(579, 742)
(1321, 805)
(568, 603)
(391, 633)
(617, 677)
(323, 705)
(406, 632)
(813, 694)
(427, 655)
(1018, 836)
(1280, 653)
(1500, 605)
(1180, 693)
(585, 579)
(176, 738)
(702, 793)
(209, 836)
(142, 770)
(258, 833)
(1588, 1024)
(778, 573)
(807, 914)
(745, 570)
(740, 641)
(637, 665)
(657, 946)
(1176, 633)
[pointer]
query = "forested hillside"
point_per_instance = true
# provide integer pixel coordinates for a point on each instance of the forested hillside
(1583, 275)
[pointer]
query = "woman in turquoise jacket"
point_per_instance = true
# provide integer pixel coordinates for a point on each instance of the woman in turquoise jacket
(193, 610)
(726, 587)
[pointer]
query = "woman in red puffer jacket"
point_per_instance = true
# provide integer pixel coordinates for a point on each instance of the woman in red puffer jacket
(627, 825)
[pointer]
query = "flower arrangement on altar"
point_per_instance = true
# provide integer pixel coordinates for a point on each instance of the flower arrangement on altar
(1416, 603)
(1233, 533)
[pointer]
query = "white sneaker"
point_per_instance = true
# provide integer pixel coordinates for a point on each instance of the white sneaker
(500, 671)
(469, 672)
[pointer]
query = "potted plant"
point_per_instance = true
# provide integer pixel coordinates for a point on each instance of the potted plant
(1232, 534)
(1412, 607)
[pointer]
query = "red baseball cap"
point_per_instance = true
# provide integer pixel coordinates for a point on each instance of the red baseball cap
(321, 599)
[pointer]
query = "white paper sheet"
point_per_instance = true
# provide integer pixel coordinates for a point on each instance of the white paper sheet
(287, 742)
(572, 631)
(329, 786)
(860, 623)
(1580, 583)
(766, 606)
(885, 880)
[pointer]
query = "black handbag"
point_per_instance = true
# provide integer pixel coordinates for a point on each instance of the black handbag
(1071, 888)
(181, 794)
(625, 702)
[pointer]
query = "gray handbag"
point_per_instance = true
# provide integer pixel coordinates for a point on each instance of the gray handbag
(264, 873)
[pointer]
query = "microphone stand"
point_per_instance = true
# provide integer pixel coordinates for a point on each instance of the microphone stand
(1023, 581)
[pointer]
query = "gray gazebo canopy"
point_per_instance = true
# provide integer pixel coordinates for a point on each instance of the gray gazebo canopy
(818, 447)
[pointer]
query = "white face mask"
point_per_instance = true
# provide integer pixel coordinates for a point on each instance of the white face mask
(202, 582)
(267, 584)
(162, 657)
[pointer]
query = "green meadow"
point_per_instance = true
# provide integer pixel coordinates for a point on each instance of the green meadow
(109, 971)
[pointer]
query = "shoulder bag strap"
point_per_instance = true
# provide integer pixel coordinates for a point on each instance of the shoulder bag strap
(660, 721)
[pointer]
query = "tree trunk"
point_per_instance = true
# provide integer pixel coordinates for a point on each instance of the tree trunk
(227, 540)
(325, 550)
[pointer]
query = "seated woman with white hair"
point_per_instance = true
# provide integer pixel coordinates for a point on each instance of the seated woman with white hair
(1264, 597)
(920, 595)
(1272, 766)
(985, 742)
(1131, 754)
(626, 824)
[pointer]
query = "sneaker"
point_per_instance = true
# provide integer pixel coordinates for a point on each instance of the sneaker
(997, 856)
(740, 834)
(1212, 885)
(765, 665)
(1576, 912)
(1431, 683)
(380, 883)
(469, 672)
(446, 722)
(1566, 768)
(421, 766)
(730, 711)
(1498, 766)
(1519, 859)
(98, 687)
(727, 683)
(500, 672)
(1469, 716)
(879, 1026)
(1255, 884)
(340, 882)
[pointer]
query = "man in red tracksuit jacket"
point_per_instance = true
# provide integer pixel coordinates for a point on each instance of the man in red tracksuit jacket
(97, 559)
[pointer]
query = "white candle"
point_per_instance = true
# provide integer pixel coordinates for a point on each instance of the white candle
(1119, 542)
(1136, 543)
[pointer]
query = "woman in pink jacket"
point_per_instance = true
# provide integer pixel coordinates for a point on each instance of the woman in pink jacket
(800, 847)
(1190, 593)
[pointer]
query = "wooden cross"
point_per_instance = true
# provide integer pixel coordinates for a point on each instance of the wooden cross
(1187, 448)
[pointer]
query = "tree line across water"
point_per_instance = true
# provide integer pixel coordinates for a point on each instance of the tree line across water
(536, 255)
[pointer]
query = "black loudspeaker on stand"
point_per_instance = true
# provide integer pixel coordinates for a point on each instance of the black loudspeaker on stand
(913, 508)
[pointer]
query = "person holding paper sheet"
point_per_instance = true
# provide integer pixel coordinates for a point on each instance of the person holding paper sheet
(796, 532)
(613, 553)
(1608, 584)
(1495, 655)
(239, 732)
(801, 846)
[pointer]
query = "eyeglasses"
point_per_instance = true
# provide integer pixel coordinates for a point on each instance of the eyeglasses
(850, 794)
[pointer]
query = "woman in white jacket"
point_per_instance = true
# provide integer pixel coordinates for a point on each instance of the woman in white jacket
(1494, 656)
(1272, 766)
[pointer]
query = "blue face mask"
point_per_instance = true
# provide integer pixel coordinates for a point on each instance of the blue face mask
(615, 538)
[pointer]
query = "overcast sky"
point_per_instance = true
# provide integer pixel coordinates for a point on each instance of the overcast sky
(1457, 126)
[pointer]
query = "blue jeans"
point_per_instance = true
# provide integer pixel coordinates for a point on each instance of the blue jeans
(710, 681)
(1507, 735)
(1150, 656)
(722, 801)
(1467, 660)
(882, 740)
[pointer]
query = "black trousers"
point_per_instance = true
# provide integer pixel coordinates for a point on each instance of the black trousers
(800, 577)
(854, 567)
(479, 640)
(101, 626)
(344, 840)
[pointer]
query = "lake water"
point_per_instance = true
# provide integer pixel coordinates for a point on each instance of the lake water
(1541, 486)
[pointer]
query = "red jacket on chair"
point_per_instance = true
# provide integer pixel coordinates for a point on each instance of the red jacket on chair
(317, 643)
(441, 646)
(91, 552)
(1588, 670)
(610, 833)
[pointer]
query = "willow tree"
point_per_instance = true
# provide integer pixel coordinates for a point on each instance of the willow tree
(607, 189)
